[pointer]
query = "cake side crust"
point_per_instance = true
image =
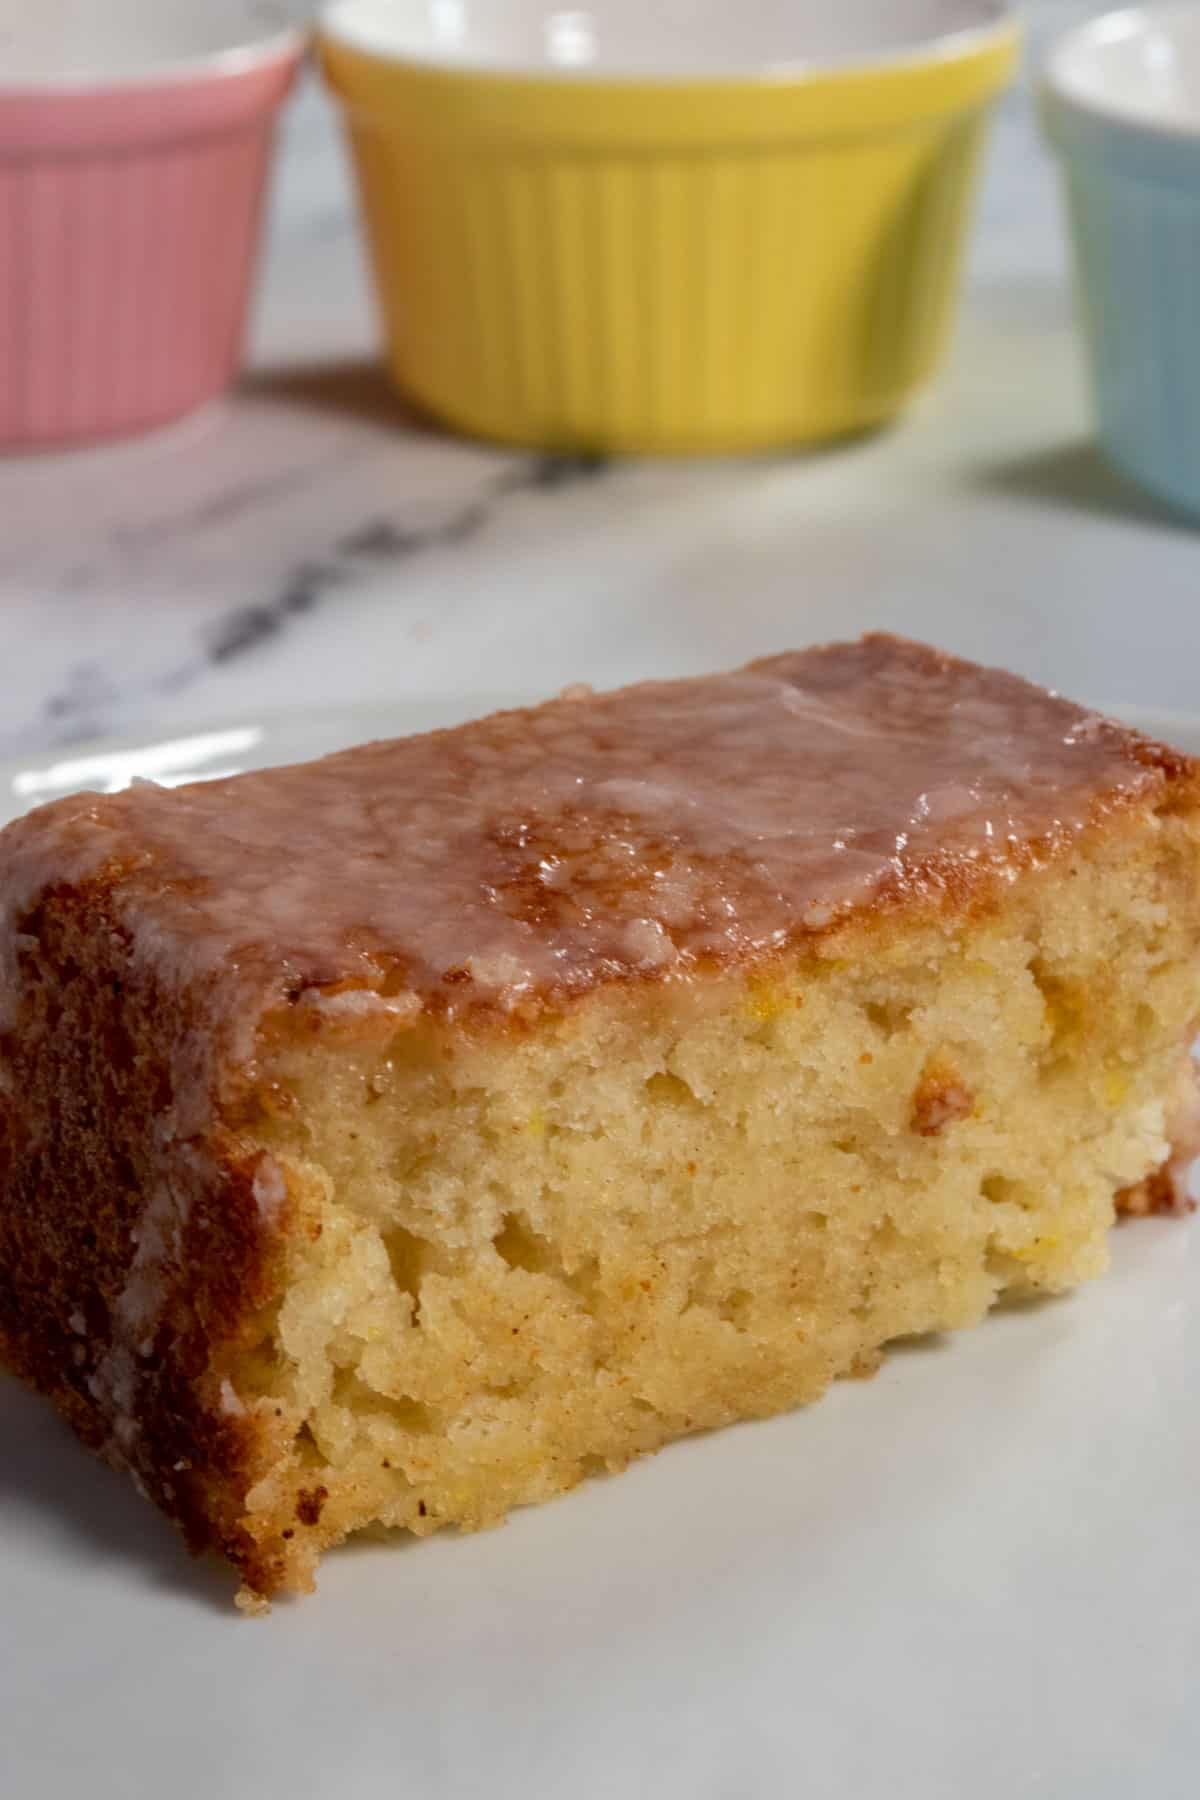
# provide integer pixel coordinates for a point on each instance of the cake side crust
(134, 1255)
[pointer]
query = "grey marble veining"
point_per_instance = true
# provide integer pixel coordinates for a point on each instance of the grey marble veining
(307, 544)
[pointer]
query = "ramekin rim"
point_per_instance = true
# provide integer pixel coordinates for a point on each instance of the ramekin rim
(944, 48)
(289, 43)
(1131, 121)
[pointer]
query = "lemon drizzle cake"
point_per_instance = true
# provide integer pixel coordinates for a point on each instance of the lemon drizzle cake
(397, 1138)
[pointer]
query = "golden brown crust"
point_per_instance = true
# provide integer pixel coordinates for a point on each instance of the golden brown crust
(1157, 1195)
(91, 1064)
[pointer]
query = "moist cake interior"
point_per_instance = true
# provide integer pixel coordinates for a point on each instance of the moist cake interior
(526, 1259)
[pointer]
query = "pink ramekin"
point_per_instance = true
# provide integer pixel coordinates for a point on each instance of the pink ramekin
(130, 205)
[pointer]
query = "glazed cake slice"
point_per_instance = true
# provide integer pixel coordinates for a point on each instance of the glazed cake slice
(398, 1138)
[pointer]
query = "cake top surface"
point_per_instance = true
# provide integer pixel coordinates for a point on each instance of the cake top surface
(648, 831)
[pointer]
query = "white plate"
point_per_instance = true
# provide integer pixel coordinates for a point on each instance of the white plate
(973, 1578)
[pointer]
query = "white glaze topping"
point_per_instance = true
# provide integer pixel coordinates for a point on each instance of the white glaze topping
(640, 832)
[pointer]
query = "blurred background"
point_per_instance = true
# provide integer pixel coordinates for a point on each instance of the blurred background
(307, 543)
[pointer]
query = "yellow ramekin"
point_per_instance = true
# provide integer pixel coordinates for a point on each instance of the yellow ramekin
(658, 264)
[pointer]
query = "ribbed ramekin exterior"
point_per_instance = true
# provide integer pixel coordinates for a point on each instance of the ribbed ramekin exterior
(666, 265)
(667, 301)
(127, 247)
(1137, 245)
(123, 285)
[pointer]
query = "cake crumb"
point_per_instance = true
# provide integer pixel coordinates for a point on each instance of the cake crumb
(941, 1099)
(309, 1503)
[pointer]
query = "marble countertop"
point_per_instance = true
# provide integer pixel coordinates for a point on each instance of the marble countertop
(305, 545)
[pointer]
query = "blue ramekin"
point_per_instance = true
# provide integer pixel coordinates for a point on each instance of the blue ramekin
(1121, 103)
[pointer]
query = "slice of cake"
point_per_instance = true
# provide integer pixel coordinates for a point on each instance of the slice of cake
(398, 1138)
